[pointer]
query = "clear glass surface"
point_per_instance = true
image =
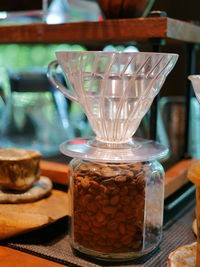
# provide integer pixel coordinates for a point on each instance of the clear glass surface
(116, 209)
(5, 101)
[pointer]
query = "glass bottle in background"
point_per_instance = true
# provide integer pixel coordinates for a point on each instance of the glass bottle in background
(5, 101)
(39, 115)
(33, 100)
(21, 12)
(60, 11)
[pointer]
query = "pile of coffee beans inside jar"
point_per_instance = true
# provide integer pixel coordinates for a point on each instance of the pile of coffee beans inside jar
(109, 206)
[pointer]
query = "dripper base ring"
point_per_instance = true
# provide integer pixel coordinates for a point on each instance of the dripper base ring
(94, 142)
(92, 150)
(113, 142)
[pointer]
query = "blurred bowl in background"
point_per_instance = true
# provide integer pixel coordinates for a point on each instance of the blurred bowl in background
(114, 9)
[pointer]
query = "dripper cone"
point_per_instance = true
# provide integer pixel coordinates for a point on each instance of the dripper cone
(195, 79)
(115, 89)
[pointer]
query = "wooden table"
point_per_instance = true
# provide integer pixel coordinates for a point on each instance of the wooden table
(58, 172)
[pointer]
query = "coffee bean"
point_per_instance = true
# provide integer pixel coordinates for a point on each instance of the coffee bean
(103, 189)
(122, 229)
(117, 245)
(112, 225)
(113, 235)
(114, 200)
(85, 217)
(95, 230)
(100, 217)
(83, 167)
(120, 217)
(128, 210)
(126, 239)
(104, 202)
(85, 183)
(109, 210)
(131, 228)
(113, 190)
(92, 207)
(98, 224)
(124, 191)
(120, 179)
(136, 244)
(108, 172)
(85, 226)
(125, 200)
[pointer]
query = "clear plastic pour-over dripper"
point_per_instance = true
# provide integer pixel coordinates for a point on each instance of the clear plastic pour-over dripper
(115, 90)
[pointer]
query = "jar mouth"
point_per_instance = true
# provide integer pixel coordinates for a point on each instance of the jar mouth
(113, 142)
(129, 144)
(92, 150)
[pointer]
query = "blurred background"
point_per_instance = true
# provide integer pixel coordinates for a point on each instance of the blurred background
(34, 115)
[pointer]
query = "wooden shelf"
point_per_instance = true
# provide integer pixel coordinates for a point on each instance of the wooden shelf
(104, 32)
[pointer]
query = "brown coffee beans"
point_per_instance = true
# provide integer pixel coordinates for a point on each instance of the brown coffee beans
(109, 207)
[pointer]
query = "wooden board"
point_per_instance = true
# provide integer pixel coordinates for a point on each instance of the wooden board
(20, 218)
(102, 32)
(10, 257)
(57, 172)
(176, 176)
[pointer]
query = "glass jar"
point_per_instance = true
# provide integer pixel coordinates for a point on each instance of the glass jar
(116, 209)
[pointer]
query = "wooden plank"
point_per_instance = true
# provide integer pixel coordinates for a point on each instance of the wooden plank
(57, 172)
(10, 257)
(103, 32)
(176, 176)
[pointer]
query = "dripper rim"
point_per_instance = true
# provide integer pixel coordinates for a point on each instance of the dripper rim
(142, 150)
(194, 77)
(116, 52)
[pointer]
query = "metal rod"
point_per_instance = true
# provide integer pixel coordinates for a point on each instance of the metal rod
(190, 69)
(154, 108)
(179, 199)
(156, 47)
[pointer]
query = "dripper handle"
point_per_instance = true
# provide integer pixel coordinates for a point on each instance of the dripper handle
(51, 74)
